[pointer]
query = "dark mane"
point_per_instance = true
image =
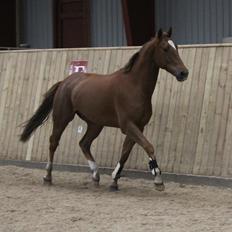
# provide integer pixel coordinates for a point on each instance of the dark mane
(127, 68)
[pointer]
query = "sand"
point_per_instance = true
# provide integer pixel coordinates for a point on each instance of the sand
(73, 203)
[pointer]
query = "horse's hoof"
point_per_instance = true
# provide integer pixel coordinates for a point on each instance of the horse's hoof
(96, 177)
(47, 180)
(160, 187)
(95, 182)
(114, 188)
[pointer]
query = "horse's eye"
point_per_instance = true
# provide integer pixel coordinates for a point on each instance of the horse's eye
(166, 49)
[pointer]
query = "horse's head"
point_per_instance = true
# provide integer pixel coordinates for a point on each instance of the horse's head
(167, 56)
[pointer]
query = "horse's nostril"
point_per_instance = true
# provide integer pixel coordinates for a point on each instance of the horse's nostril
(184, 73)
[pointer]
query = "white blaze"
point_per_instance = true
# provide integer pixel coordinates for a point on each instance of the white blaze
(171, 43)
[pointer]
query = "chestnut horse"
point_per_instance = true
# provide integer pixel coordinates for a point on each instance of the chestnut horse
(121, 99)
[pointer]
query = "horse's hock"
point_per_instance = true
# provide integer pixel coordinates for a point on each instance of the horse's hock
(191, 125)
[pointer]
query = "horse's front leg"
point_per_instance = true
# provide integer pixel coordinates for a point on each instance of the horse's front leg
(136, 135)
(127, 147)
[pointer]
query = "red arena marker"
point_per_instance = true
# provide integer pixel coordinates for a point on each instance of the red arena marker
(78, 66)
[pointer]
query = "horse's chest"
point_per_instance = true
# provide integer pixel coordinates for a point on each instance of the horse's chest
(143, 114)
(146, 115)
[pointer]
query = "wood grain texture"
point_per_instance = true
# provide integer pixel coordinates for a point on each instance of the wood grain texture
(191, 125)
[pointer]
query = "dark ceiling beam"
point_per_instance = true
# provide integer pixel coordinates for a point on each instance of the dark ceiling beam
(139, 20)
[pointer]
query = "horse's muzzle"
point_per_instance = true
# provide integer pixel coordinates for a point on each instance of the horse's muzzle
(182, 75)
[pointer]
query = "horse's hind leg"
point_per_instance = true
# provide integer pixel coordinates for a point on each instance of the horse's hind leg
(92, 132)
(59, 124)
(127, 147)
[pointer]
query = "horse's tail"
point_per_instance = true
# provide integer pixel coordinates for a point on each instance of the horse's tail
(41, 114)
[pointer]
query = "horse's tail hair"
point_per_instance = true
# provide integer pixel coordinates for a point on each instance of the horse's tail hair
(41, 114)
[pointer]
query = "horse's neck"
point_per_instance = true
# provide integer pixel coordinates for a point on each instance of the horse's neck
(145, 71)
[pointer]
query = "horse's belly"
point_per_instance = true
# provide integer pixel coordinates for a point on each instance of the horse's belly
(98, 116)
(96, 109)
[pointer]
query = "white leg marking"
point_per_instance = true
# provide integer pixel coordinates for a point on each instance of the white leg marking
(158, 177)
(114, 173)
(93, 167)
(49, 165)
(153, 172)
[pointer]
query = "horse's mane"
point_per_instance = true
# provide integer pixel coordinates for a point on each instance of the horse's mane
(130, 64)
(127, 68)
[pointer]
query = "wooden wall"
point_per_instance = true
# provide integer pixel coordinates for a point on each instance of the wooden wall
(191, 126)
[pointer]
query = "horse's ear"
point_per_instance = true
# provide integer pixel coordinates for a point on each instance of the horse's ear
(170, 32)
(160, 33)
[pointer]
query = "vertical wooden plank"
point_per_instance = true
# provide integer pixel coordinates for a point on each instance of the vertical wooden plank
(5, 72)
(203, 121)
(12, 135)
(168, 136)
(8, 97)
(10, 90)
(221, 113)
(223, 97)
(228, 144)
(106, 62)
(227, 115)
(4, 90)
(160, 150)
(193, 119)
(213, 122)
(1, 67)
(201, 91)
(185, 101)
